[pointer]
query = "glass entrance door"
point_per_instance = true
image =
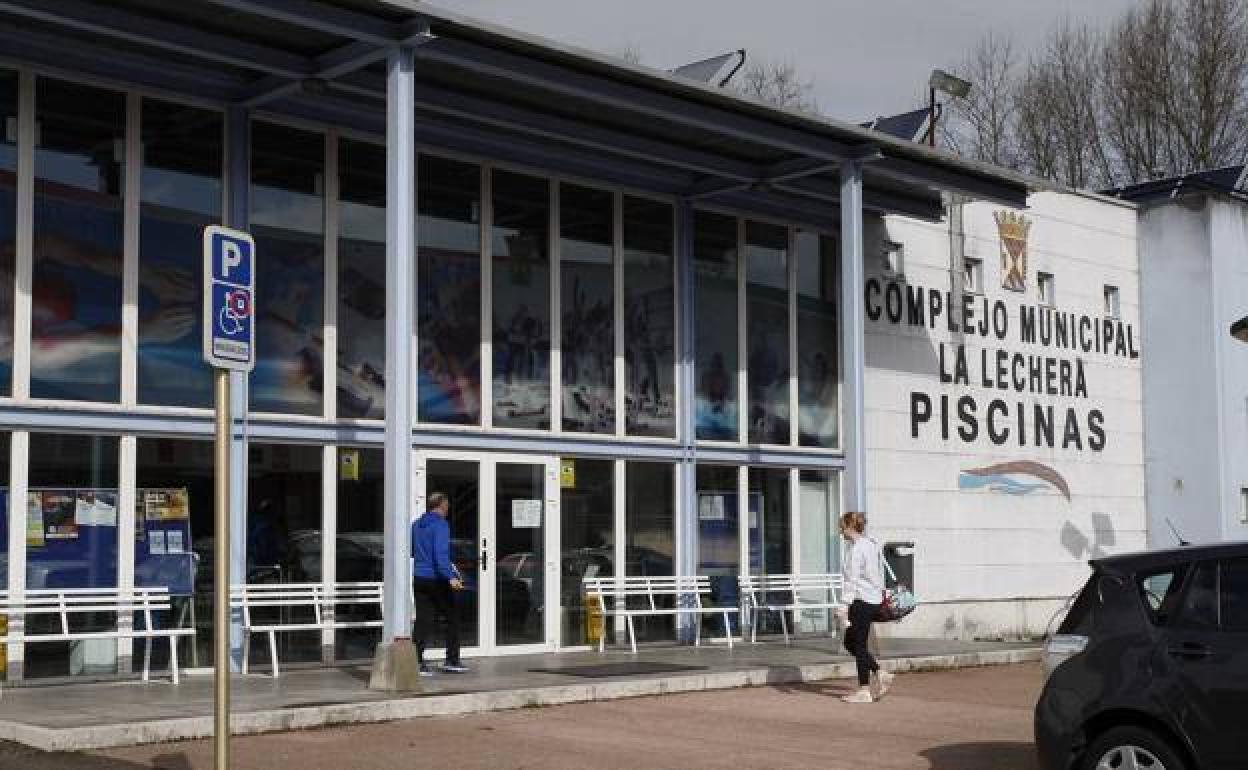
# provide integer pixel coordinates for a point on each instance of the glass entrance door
(504, 532)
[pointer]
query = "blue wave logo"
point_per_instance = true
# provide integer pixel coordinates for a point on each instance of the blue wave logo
(1014, 478)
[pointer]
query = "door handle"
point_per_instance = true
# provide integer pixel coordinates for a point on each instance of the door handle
(1190, 651)
(485, 555)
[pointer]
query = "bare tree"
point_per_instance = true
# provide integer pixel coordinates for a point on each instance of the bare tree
(777, 84)
(630, 53)
(981, 125)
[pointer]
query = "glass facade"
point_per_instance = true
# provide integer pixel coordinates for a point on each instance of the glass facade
(288, 224)
(649, 318)
(587, 539)
(8, 222)
(767, 332)
(181, 193)
(520, 241)
(818, 352)
(361, 280)
(359, 548)
(78, 237)
(715, 320)
(719, 536)
(650, 534)
(587, 303)
(449, 292)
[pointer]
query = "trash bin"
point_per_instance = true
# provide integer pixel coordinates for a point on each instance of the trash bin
(900, 556)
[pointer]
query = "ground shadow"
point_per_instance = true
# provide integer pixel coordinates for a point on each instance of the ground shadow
(14, 756)
(988, 755)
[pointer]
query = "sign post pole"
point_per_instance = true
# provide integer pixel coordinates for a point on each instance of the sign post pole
(229, 345)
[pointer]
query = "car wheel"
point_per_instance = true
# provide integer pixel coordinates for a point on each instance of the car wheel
(1131, 748)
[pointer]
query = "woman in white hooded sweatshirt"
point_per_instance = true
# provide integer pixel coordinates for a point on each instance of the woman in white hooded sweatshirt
(863, 594)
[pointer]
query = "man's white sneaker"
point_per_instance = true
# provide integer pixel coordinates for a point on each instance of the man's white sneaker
(455, 668)
(881, 683)
(861, 695)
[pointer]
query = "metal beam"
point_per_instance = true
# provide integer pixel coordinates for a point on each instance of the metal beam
(875, 201)
(323, 17)
(150, 31)
(932, 175)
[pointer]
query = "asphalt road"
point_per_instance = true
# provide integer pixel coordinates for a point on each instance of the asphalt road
(973, 719)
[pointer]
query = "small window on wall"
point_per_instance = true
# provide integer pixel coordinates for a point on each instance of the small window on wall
(1113, 306)
(1243, 505)
(893, 258)
(972, 276)
(1045, 287)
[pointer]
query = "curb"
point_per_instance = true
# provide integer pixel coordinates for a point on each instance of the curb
(302, 718)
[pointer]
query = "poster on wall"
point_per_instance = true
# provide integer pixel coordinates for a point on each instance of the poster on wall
(34, 520)
(59, 515)
(163, 555)
(95, 509)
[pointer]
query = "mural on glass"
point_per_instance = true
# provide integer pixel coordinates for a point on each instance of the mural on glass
(449, 303)
(183, 152)
(520, 241)
(587, 303)
(287, 221)
(361, 280)
(76, 301)
(817, 351)
(8, 224)
(767, 332)
(715, 320)
(649, 318)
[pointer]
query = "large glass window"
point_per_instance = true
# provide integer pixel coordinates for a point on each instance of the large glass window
(817, 348)
(587, 538)
(78, 242)
(719, 553)
(8, 222)
(6, 518)
(820, 540)
(183, 149)
(361, 280)
(521, 278)
(649, 527)
(767, 335)
(71, 542)
(649, 318)
(770, 537)
(361, 545)
(715, 320)
(287, 221)
(449, 388)
(173, 533)
(284, 531)
(587, 304)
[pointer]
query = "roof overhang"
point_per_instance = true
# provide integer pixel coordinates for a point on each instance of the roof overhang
(495, 93)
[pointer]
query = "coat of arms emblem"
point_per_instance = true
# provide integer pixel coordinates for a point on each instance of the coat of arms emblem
(1012, 229)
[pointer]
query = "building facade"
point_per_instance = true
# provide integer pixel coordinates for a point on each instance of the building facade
(1193, 235)
(1004, 354)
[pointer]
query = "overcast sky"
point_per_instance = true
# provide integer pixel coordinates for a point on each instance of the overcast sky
(866, 57)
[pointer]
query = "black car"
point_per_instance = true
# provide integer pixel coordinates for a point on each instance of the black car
(1149, 668)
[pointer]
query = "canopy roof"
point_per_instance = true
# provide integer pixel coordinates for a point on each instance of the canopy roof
(496, 93)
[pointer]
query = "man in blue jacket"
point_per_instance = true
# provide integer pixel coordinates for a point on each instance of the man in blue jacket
(435, 580)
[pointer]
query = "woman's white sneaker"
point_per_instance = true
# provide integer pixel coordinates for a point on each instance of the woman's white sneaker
(861, 695)
(881, 683)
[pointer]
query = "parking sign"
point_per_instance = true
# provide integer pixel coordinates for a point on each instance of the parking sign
(229, 287)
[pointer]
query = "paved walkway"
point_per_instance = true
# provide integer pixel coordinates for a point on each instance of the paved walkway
(84, 716)
(974, 719)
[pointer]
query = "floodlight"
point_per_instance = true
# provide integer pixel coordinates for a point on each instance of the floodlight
(950, 84)
(1239, 329)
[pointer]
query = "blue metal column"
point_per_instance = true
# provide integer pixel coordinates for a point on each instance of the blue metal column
(400, 304)
(853, 327)
(686, 430)
(238, 216)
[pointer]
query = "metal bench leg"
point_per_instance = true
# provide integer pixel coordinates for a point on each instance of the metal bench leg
(173, 657)
(784, 624)
(727, 630)
(632, 635)
(147, 658)
(246, 651)
(697, 629)
(273, 651)
(754, 625)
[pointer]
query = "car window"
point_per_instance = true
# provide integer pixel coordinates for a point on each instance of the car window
(1080, 618)
(1199, 609)
(1160, 591)
(1234, 595)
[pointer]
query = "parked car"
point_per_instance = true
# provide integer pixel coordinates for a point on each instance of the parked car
(1149, 668)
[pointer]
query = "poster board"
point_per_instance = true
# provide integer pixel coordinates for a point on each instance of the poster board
(162, 548)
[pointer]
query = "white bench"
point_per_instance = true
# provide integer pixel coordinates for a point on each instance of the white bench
(66, 602)
(686, 593)
(786, 593)
(315, 604)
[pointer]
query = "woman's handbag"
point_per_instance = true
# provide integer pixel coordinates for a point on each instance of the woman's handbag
(898, 601)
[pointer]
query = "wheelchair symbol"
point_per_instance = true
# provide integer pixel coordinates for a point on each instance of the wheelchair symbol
(237, 307)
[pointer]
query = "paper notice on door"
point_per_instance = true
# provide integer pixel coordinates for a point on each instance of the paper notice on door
(711, 508)
(173, 541)
(156, 541)
(526, 514)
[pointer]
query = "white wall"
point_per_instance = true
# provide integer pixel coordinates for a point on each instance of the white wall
(991, 564)
(1229, 239)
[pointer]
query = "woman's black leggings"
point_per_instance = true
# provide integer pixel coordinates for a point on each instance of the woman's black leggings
(860, 616)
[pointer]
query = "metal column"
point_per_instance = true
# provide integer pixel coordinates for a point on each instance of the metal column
(853, 325)
(238, 216)
(687, 524)
(400, 301)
